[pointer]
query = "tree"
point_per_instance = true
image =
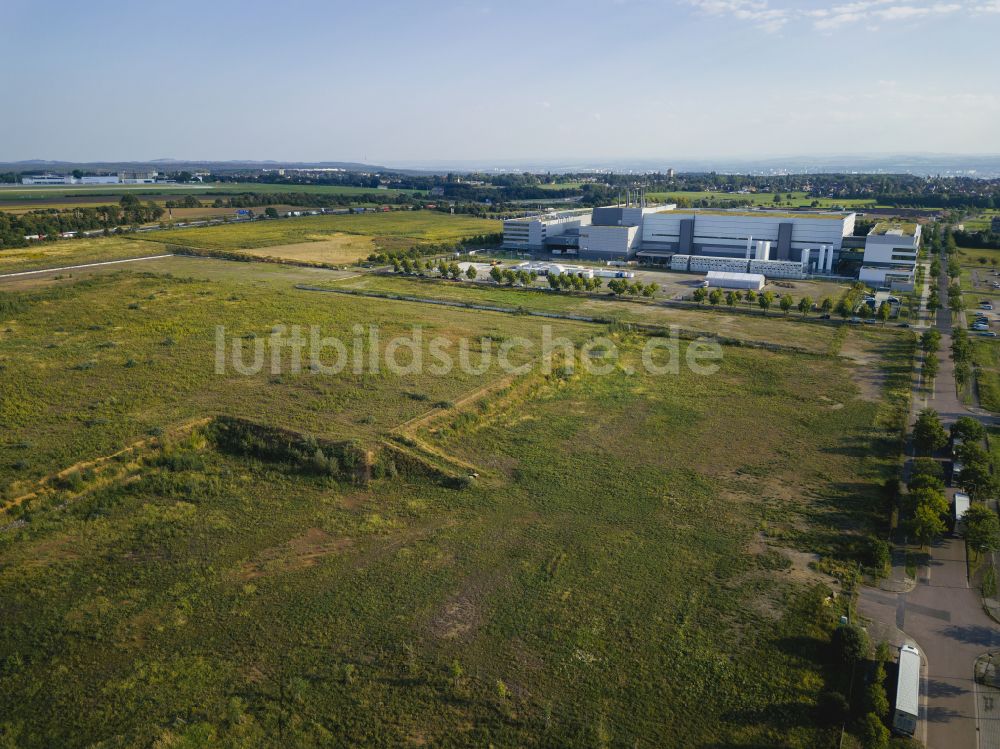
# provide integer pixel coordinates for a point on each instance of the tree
(977, 480)
(878, 701)
(700, 294)
(850, 643)
(731, 298)
(930, 340)
(715, 297)
(930, 368)
(968, 429)
(874, 734)
(927, 524)
(765, 300)
(932, 497)
(884, 310)
(844, 308)
(982, 528)
(826, 305)
(649, 289)
(271, 212)
(927, 467)
(751, 296)
(805, 304)
(496, 274)
(786, 303)
(928, 434)
(471, 272)
(955, 303)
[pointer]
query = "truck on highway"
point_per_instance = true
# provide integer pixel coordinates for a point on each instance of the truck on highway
(904, 717)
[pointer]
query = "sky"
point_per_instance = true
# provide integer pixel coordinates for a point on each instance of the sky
(415, 83)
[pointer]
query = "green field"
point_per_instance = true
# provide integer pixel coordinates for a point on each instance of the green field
(627, 568)
(391, 229)
(202, 191)
(74, 252)
(763, 199)
(775, 327)
(431, 559)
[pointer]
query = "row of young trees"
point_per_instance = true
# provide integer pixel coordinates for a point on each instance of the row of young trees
(846, 306)
(443, 268)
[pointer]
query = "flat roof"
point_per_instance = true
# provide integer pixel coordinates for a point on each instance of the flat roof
(903, 228)
(725, 275)
(829, 216)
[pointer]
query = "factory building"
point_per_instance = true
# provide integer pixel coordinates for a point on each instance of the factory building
(720, 233)
(555, 230)
(891, 250)
(47, 179)
(654, 235)
(101, 179)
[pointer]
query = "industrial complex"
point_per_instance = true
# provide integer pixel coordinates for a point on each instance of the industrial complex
(121, 178)
(774, 244)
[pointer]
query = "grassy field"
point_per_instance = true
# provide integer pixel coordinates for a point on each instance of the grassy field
(91, 366)
(335, 248)
(986, 359)
(74, 252)
(775, 327)
(393, 229)
(628, 570)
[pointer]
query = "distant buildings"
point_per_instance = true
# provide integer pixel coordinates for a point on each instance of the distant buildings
(122, 178)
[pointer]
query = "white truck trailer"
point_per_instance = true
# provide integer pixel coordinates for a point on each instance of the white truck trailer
(904, 717)
(961, 507)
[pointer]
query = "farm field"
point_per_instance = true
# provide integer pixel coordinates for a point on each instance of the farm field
(630, 567)
(74, 252)
(775, 327)
(393, 230)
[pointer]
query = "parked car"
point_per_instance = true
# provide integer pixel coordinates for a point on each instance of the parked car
(989, 333)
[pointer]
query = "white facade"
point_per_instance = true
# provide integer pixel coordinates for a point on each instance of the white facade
(727, 233)
(613, 241)
(47, 179)
(530, 232)
(61, 179)
(725, 280)
(891, 251)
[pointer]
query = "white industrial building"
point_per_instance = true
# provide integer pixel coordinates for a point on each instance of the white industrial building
(727, 280)
(720, 233)
(47, 179)
(805, 242)
(126, 178)
(891, 250)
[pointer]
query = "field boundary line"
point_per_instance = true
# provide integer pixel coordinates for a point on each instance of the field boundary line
(85, 265)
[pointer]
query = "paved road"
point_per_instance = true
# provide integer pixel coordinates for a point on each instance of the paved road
(942, 613)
